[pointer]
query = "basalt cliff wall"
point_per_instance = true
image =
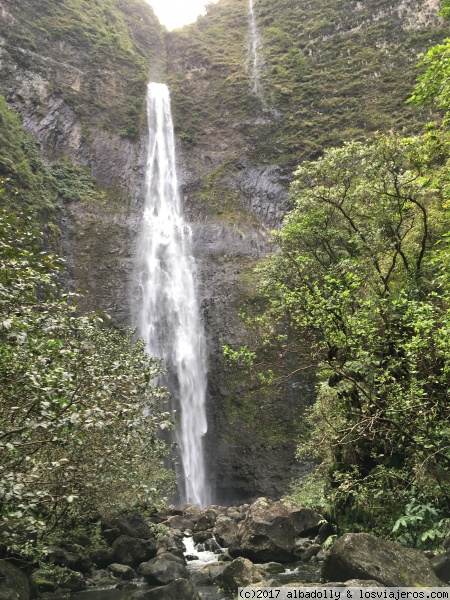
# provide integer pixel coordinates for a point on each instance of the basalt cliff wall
(76, 73)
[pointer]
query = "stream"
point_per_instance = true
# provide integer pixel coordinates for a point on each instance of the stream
(309, 573)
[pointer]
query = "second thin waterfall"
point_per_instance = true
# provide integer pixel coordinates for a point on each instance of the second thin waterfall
(169, 319)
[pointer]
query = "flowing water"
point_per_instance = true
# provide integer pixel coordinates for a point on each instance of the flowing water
(169, 317)
(255, 58)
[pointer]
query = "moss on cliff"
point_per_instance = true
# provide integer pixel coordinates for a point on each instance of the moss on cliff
(107, 45)
(331, 71)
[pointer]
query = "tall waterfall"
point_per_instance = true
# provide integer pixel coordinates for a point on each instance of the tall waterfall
(169, 319)
(254, 55)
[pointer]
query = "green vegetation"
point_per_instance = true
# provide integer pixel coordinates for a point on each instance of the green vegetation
(362, 276)
(74, 440)
(331, 73)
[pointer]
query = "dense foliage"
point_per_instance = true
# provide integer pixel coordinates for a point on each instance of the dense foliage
(361, 277)
(75, 439)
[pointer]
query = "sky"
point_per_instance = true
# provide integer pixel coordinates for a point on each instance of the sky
(175, 13)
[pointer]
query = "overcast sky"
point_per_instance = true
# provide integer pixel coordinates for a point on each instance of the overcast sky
(175, 13)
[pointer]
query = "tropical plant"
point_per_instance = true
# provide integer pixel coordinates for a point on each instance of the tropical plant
(79, 414)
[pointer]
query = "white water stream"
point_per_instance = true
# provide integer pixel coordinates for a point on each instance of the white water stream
(169, 317)
(255, 57)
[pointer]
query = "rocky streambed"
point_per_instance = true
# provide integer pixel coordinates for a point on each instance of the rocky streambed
(191, 554)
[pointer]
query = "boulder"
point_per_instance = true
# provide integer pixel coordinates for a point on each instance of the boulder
(305, 520)
(14, 579)
(42, 582)
(162, 570)
(441, 566)
(122, 571)
(132, 551)
(239, 573)
(102, 557)
(271, 567)
(132, 525)
(69, 559)
(363, 556)
(8, 594)
(225, 531)
(180, 589)
(266, 534)
(111, 535)
(206, 519)
(311, 551)
(179, 522)
(208, 574)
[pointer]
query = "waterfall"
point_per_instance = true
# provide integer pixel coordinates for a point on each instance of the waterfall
(169, 316)
(254, 55)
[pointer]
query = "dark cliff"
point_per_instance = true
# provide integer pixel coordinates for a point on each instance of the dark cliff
(331, 71)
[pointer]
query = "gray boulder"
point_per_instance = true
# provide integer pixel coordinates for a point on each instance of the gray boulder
(122, 571)
(14, 580)
(102, 557)
(208, 574)
(180, 589)
(363, 556)
(304, 520)
(441, 566)
(179, 522)
(239, 573)
(225, 531)
(311, 551)
(266, 534)
(162, 569)
(132, 551)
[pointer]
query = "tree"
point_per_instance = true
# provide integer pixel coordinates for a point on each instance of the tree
(433, 86)
(79, 414)
(361, 276)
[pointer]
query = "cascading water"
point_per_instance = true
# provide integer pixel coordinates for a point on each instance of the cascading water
(254, 57)
(169, 317)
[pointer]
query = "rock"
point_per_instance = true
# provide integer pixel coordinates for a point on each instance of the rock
(13, 578)
(271, 567)
(305, 520)
(42, 583)
(180, 589)
(102, 557)
(363, 556)
(206, 519)
(173, 557)
(239, 573)
(200, 537)
(69, 559)
(441, 566)
(122, 571)
(101, 578)
(132, 551)
(132, 525)
(8, 594)
(208, 574)
(325, 530)
(162, 570)
(225, 531)
(266, 534)
(311, 552)
(111, 535)
(212, 546)
(179, 522)
(354, 583)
